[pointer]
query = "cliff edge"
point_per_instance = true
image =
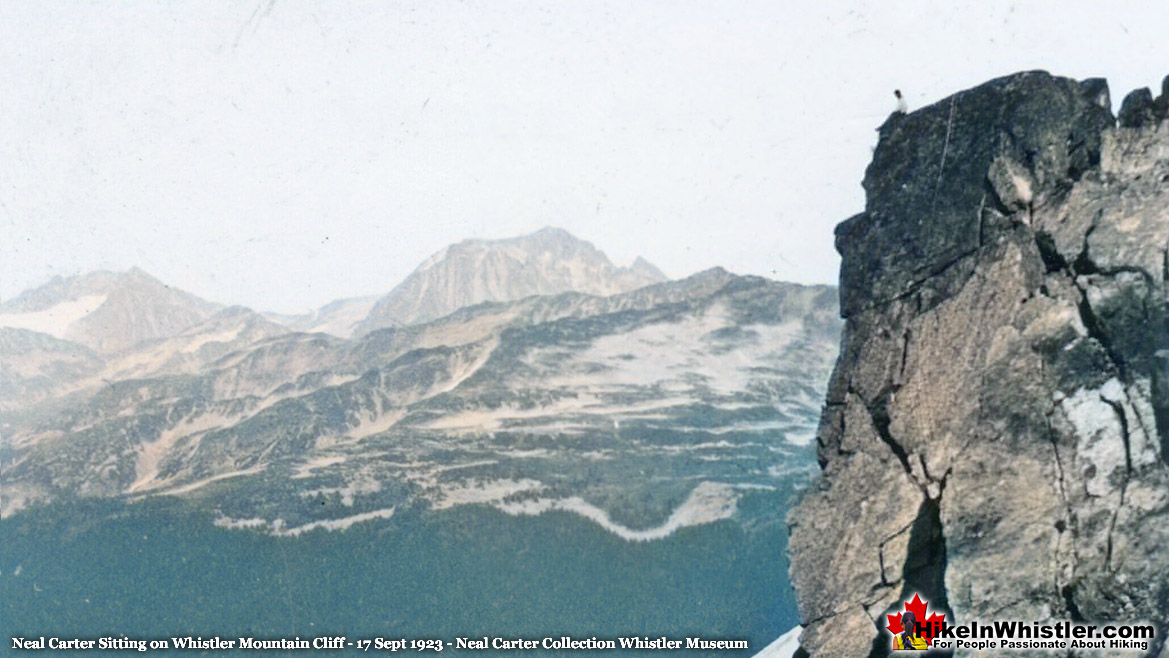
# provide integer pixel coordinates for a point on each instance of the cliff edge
(996, 430)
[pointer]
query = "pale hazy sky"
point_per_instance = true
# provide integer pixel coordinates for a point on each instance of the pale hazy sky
(281, 154)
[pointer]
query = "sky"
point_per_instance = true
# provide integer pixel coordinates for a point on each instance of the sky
(282, 154)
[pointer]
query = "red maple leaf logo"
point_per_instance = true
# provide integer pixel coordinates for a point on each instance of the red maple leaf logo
(919, 609)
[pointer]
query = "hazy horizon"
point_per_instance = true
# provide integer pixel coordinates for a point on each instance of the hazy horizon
(280, 155)
(229, 303)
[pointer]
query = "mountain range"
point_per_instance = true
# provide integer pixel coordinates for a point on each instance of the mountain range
(500, 372)
(134, 325)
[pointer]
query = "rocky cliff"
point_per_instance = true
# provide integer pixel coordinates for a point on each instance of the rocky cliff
(996, 429)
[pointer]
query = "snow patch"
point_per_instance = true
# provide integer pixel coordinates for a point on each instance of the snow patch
(488, 491)
(800, 438)
(363, 483)
(707, 503)
(585, 405)
(672, 354)
(331, 525)
(276, 528)
(56, 319)
(239, 524)
(306, 469)
(198, 484)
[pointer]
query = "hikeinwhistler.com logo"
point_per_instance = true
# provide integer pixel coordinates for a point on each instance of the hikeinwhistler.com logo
(918, 628)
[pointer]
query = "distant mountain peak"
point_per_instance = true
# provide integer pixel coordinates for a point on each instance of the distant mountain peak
(551, 232)
(643, 266)
(106, 311)
(338, 318)
(547, 262)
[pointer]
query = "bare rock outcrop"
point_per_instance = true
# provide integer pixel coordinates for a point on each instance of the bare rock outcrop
(996, 430)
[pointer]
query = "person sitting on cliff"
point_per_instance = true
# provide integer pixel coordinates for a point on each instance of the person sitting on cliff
(902, 108)
(908, 639)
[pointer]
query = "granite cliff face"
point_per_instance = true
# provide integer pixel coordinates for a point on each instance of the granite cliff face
(996, 430)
